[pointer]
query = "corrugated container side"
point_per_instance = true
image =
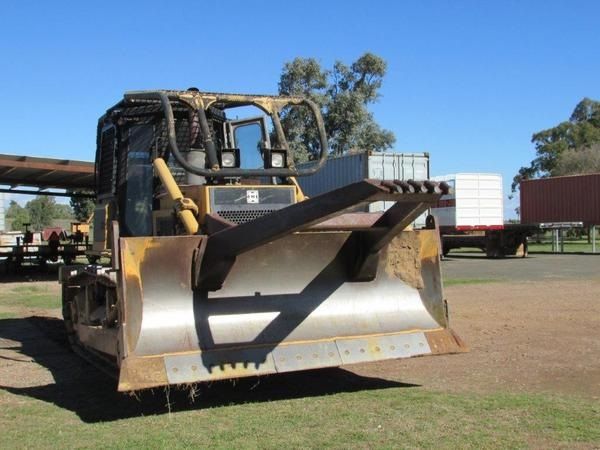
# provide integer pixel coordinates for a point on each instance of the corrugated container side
(396, 166)
(348, 169)
(336, 173)
(561, 199)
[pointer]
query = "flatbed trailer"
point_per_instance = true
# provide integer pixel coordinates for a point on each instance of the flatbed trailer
(19, 255)
(496, 242)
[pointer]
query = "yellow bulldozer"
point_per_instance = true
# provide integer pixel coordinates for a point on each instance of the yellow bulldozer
(217, 266)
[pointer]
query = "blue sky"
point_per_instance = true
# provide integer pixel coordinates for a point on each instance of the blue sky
(468, 81)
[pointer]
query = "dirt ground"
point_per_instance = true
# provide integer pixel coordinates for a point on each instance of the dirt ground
(524, 336)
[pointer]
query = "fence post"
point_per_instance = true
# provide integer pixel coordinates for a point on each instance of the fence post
(561, 233)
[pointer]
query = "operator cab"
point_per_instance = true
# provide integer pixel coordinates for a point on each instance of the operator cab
(237, 168)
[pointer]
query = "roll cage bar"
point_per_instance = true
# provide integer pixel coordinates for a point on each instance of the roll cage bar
(201, 101)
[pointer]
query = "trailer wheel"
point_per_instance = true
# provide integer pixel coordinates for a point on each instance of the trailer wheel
(93, 259)
(494, 252)
(493, 247)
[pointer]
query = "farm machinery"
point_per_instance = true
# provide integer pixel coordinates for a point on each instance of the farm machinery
(221, 267)
(37, 248)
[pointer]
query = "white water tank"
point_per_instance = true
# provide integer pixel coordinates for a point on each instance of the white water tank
(476, 201)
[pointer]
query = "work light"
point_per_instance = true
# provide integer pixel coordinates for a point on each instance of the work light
(277, 159)
(229, 159)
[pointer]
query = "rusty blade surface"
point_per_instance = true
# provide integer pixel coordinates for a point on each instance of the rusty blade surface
(348, 222)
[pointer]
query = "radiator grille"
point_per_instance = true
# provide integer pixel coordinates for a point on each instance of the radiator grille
(241, 216)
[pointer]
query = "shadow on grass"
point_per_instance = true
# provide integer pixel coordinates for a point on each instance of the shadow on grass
(92, 395)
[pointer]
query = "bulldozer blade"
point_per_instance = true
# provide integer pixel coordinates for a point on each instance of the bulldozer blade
(286, 305)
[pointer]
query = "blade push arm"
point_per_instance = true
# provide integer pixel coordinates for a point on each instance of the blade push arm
(213, 263)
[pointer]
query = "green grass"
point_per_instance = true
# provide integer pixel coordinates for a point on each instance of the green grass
(386, 418)
(30, 296)
(465, 250)
(397, 417)
(570, 247)
(460, 281)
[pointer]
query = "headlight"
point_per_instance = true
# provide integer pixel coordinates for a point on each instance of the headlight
(228, 159)
(277, 160)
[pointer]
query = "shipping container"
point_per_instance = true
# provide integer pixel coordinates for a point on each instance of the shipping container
(475, 203)
(573, 198)
(348, 169)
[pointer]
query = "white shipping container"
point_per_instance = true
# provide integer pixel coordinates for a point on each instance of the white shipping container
(476, 201)
(348, 169)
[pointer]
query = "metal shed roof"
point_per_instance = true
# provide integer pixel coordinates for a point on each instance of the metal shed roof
(45, 173)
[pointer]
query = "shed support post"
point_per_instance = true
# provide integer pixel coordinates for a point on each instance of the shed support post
(593, 238)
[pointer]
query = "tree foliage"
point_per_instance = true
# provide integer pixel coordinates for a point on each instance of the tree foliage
(39, 212)
(576, 138)
(344, 94)
(42, 211)
(82, 207)
(62, 211)
(578, 161)
(18, 216)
